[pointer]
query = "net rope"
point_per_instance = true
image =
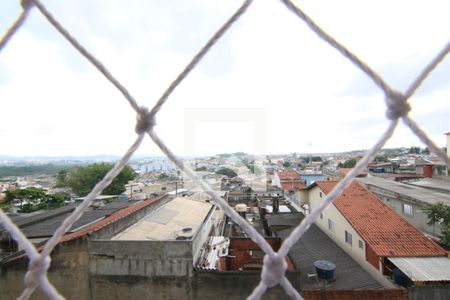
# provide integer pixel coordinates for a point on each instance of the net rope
(274, 267)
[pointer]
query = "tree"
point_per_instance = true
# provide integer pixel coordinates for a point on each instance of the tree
(439, 213)
(163, 176)
(227, 172)
(414, 150)
(83, 179)
(61, 178)
(286, 164)
(56, 200)
(29, 199)
(349, 163)
(199, 169)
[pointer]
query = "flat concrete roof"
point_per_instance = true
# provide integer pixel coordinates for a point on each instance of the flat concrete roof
(168, 221)
(438, 183)
(412, 191)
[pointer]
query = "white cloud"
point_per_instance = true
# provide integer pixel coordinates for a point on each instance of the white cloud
(53, 102)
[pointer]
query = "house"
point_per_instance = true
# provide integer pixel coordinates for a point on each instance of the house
(408, 200)
(371, 232)
(290, 183)
(148, 249)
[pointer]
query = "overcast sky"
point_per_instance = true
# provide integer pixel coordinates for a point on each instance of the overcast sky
(270, 85)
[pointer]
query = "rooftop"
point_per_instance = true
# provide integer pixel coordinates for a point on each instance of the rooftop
(315, 245)
(384, 231)
(414, 190)
(424, 269)
(291, 186)
(288, 175)
(45, 224)
(345, 171)
(180, 217)
(437, 183)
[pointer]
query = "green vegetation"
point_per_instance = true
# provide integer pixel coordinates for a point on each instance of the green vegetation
(307, 159)
(62, 179)
(349, 163)
(83, 179)
(439, 213)
(200, 169)
(286, 164)
(414, 150)
(49, 169)
(227, 172)
(163, 176)
(32, 199)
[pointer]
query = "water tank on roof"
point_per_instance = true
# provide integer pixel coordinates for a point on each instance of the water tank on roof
(325, 269)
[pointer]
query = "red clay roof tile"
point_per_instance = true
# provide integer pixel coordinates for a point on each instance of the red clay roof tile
(291, 186)
(288, 175)
(385, 231)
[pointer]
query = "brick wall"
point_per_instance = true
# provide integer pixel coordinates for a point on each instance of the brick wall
(378, 294)
(372, 258)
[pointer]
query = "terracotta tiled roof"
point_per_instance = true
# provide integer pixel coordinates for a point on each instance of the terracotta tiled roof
(326, 186)
(288, 175)
(290, 186)
(385, 231)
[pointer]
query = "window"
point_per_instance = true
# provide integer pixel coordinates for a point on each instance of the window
(320, 194)
(321, 216)
(407, 209)
(331, 225)
(361, 244)
(348, 238)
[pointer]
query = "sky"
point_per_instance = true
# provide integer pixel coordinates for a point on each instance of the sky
(270, 85)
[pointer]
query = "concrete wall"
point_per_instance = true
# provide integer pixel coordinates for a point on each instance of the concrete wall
(396, 201)
(141, 258)
(236, 285)
(316, 196)
(204, 285)
(68, 273)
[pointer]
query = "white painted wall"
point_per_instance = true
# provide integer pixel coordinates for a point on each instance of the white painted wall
(316, 196)
(448, 145)
(276, 180)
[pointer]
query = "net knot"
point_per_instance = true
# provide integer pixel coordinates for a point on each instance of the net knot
(145, 120)
(26, 4)
(37, 268)
(397, 105)
(273, 270)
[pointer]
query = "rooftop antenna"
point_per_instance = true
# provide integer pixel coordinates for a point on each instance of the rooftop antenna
(310, 153)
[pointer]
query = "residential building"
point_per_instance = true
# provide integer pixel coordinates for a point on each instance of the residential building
(290, 183)
(408, 200)
(371, 232)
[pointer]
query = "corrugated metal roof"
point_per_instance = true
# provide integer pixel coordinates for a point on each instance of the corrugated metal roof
(424, 268)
